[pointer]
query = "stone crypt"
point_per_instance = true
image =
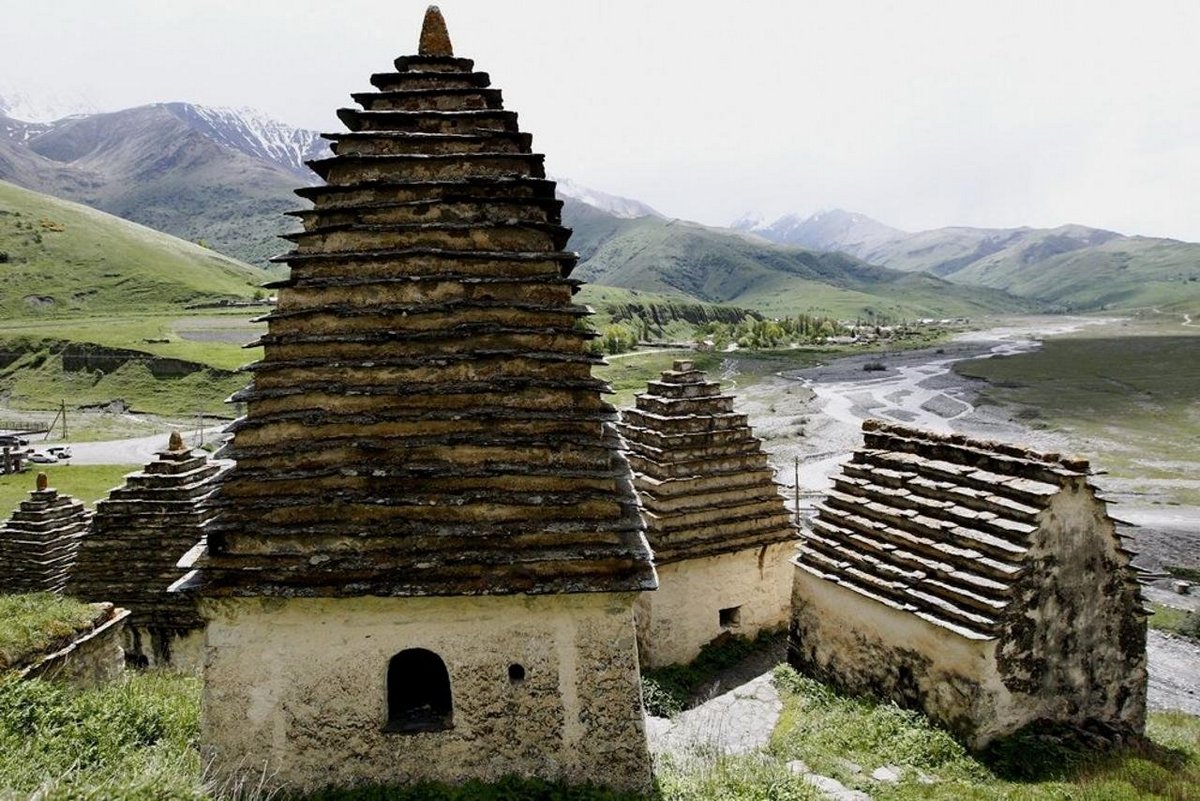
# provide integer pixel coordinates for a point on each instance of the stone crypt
(424, 564)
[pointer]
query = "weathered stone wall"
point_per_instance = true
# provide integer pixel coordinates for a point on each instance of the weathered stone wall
(90, 660)
(180, 649)
(867, 648)
(299, 687)
(980, 582)
(1074, 644)
(683, 614)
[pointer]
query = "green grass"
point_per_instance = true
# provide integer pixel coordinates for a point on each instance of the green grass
(1177, 621)
(829, 732)
(63, 258)
(1184, 572)
(136, 739)
(38, 623)
(169, 335)
(1127, 393)
(87, 482)
(38, 382)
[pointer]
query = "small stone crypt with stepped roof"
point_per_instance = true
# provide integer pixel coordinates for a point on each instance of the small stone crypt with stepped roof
(137, 535)
(982, 583)
(719, 529)
(424, 563)
(39, 543)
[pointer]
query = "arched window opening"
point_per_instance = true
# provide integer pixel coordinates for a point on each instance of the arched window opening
(418, 692)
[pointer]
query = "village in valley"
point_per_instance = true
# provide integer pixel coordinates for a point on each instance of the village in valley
(475, 524)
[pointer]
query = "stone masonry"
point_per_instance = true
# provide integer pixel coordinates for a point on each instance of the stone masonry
(721, 534)
(423, 564)
(39, 542)
(982, 583)
(130, 555)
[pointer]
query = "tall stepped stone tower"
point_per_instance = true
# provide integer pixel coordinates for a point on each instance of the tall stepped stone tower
(129, 557)
(39, 542)
(982, 583)
(424, 564)
(720, 531)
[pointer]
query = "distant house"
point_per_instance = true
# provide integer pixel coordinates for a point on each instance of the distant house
(984, 584)
(719, 529)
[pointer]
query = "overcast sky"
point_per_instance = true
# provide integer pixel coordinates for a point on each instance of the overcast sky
(918, 113)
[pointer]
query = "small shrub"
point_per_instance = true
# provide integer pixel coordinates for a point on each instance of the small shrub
(874, 367)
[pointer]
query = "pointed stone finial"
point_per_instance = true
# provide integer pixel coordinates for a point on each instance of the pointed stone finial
(175, 442)
(43, 482)
(435, 39)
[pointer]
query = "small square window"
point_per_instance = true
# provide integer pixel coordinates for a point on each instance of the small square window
(731, 617)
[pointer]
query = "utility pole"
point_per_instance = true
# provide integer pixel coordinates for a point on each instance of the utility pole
(63, 411)
(796, 479)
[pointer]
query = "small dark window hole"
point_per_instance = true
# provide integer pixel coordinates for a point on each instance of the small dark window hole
(418, 688)
(516, 673)
(730, 617)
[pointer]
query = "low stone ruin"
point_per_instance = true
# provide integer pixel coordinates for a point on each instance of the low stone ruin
(92, 657)
(719, 529)
(129, 557)
(982, 583)
(424, 564)
(39, 542)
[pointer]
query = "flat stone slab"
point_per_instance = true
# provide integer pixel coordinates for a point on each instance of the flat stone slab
(737, 722)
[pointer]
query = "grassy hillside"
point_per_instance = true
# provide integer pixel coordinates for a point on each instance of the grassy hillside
(147, 165)
(61, 258)
(1125, 273)
(1071, 267)
(684, 259)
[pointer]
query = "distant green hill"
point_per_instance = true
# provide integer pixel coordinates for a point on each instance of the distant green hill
(62, 258)
(1122, 273)
(154, 165)
(687, 260)
(1071, 267)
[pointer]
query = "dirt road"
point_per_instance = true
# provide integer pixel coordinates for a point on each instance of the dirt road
(139, 450)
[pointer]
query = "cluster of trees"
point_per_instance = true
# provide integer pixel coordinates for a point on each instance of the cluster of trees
(754, 333)
(749, 331)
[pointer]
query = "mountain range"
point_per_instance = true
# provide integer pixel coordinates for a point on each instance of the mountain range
(220, 177)
(1070, 268)
(223, 178)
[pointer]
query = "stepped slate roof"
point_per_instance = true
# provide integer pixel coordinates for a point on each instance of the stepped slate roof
(424, 420)
(39, 542)
(702, 476)
(936, 525)
(140, 531)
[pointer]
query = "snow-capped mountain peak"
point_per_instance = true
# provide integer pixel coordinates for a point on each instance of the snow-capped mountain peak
(255, 133)
(615, 205)
(42, 107)
(750, 221)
